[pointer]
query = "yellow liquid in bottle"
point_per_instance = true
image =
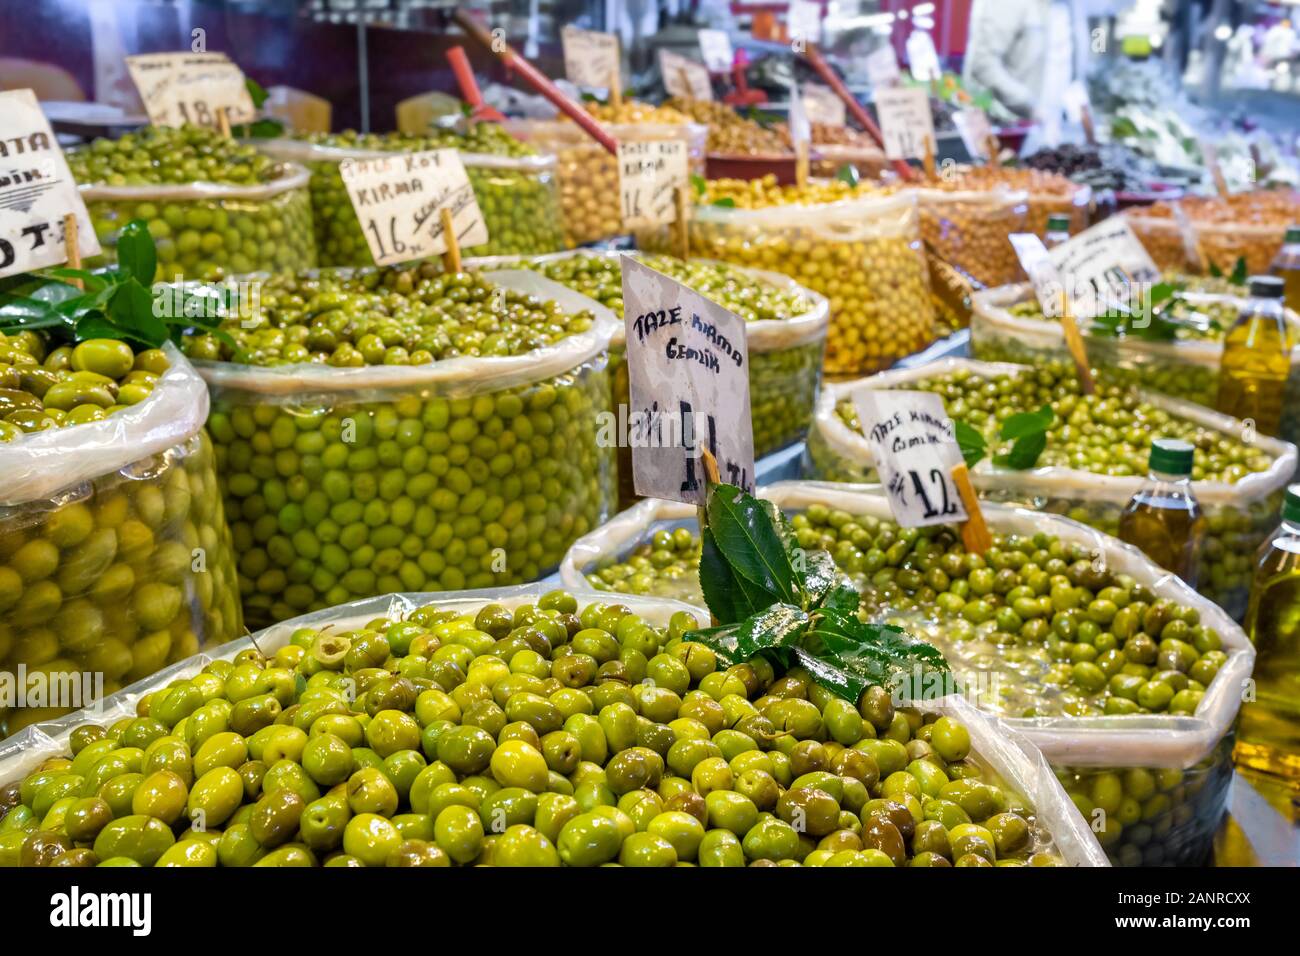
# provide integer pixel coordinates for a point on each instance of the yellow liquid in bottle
(1168, 529)
(1255, 365)
(1291, 286)
(1268, 737)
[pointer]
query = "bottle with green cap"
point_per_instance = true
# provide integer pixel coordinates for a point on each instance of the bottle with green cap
(1257, 358)
(1058, 230)
(1164, 520)
(1287, 268)
(1268, 738)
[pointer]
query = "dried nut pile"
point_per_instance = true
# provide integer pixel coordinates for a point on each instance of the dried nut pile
(730, 134)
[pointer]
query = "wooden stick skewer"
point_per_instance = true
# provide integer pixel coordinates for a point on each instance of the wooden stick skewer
(711, 478)
(974, 532)
(683, 204)
(1078, 351)
(223, 121)
(995, 151)
(450, 258)
(929, 158)
(72, 243)
(616, 90)
(801, 163)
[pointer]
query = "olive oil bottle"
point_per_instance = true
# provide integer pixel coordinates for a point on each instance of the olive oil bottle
(1257, 358)
(1058, 230)
(1163, 520)
(1268, 737)
(1287, 268)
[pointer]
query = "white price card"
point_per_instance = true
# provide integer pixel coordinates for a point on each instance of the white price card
(905, 121)
(37, 191)
(649, 174)
(882, 66)
(922, 57)
(1037, 263)
(973, 125)
(181, 88)
(803, 20)
(398, 200)
(799, 126)
(915, 451)
(715, 48)
(688, 373)
(1103, 266)
(684, 77)
(822, 105)
(590, 58)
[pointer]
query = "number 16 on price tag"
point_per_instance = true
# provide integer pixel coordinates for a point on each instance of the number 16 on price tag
(920, 465)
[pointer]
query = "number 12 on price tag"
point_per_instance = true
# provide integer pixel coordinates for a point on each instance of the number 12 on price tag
(688, 375)
(915, 451)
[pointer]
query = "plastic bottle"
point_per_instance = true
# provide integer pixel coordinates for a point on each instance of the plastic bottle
(1058, 230)
(1287, 267)
(1164, 520)
(1257, 358)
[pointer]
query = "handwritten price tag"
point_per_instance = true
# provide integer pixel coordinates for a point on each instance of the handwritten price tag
(684, 77)
(36, 191)
(715, 48)
(823, 106)
(649, 174)
(688, 370)
(905, 121)
(397, 200)
(915, 452)
(804, 21)
(882, 67)
(973, 125)
(590, 58)
(190, 88)
(1103, 265)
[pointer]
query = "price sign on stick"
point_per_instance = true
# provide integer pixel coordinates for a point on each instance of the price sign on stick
(1050, 290)
(976, 133)
(822, 105)
(804, 21)
(688, 370)
(649, 174)
(180, 88)
(715, 48)
(1103, 266)
(37, 192)
(398, 200)
(684, 77)
(905, 121)
(882, 67)
(590, 58)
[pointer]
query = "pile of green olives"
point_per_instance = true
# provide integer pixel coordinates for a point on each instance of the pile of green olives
(783, 381)
(1108, 433)
(515, 189)
(668, 565)
(546, 735)
(411, 315)
(45, 387)
(362, 491)
(263, 223)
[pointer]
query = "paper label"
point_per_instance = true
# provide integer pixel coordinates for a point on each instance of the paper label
(181, 88)
(915, 451)
(398, 201)
(36, 191)
(822, 105)
(1103, 266)
(715, 48)
(882, 67)
(973, 125)
(1037, 263)
(905, 121)
(922, 57)
(684, 77)
(649, 174)
(688, 373)
(590, 58)
(804, 21)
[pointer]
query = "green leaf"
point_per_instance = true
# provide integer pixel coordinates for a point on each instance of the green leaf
(255, 92)
(699, 183)
(93, 281)
(838, 680)
(1239, 272)
(726, 202)
(136, 254)
(95, 326)
(873, 654)
(842, 599)
(779, 626)
(752, 542)
(816, 574)
(1024, 452)
(722, 640)
(1022, 424)
(848, 173)
(1215, 271)
(971, 442)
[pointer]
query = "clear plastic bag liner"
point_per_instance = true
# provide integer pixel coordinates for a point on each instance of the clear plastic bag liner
(39, 466)
(293, 177)
(297, 151)
(992, 198)
(462, 376)
(1056, 481)
(770, 335)
(548, 134)
(1108, 741)
(1008, 754)
(848, 220)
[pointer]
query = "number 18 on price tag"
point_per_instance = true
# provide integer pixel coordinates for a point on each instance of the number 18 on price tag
(912, 442)
(688, 373)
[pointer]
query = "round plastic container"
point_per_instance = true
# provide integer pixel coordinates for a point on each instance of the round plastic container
(863, 254)
(1152, 787)
(1240, 515)
(343, 483)
(517, 195)
(115, 557)
(588, 175)
(207, 231)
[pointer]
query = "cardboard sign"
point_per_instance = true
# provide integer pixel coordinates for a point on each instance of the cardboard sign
(688, 371)
(684, 77)
(882, 67)
(905, 121)
(803, 20)
(973, 125)
(715, 47)
(1103, 265)
(649, 174)
(191, 88)
(398, 200)
(822, 105)
(915, 452)
(1037, 263)
(590, 58)
(37, 191)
